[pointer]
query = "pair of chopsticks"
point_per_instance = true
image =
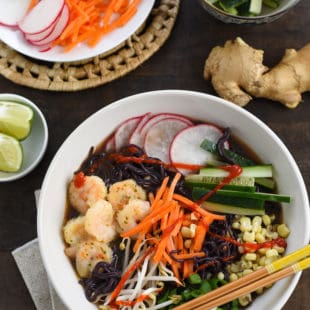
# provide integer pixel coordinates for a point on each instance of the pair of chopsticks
(281, 268)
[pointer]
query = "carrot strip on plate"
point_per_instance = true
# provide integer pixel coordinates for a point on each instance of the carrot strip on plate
(99, 17)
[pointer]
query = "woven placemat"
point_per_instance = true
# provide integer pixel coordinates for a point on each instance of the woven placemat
(98, 70)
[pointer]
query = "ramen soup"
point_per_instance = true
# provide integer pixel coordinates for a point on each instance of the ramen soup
(167, 209)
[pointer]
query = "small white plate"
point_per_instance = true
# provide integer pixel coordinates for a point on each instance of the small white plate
(14, 38)
(34, 145)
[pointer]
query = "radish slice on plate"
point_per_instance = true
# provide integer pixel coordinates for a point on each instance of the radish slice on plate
(42, 16)
(185, 147)
(13, 11)
(159, 137)
(136, 137)
(43, 34)
(57, 31)
(125, 130)
(157, 117)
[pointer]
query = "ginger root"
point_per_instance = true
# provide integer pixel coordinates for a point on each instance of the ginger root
(237, 73)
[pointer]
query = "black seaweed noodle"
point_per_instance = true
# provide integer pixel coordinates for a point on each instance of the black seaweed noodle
(148, 175)
(219, 251)
(221, 149)
(103, 280)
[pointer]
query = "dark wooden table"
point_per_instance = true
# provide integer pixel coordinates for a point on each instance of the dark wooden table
(177, 65)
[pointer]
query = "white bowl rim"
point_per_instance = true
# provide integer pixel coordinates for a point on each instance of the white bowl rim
(40, 225)
(26, 101)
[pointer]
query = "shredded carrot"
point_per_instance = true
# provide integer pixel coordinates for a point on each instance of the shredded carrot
(194, 207)
(162, 228)
(90, 20)
(189, 255)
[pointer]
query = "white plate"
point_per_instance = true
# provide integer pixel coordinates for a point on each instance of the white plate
(14, 38)
(34, 146)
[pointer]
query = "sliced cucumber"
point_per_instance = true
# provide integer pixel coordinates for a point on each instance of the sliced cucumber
(230, 209)
(239, 183)
(255, 195)
(241, 202)
(260, 171)
(238, 159)
(256, 6)
(268, 183)
(271, 3)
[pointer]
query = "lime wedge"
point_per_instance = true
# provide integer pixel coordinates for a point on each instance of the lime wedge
(11, 153)
(15, 119)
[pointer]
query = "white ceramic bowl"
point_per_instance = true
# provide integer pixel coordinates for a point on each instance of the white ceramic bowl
(267, 15)
(198, 106)
(34, 146)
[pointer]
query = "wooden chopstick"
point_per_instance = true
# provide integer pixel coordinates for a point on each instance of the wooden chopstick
(256, 285)
(272, 272)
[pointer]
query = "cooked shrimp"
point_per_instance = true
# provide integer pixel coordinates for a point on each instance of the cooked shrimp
(74, 230)
(121, 192)
(132, 213)
(74, 233)
(99, 221)
(89, 254)
(85, 191)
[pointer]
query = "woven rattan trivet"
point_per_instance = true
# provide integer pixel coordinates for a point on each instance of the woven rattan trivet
(97, 70)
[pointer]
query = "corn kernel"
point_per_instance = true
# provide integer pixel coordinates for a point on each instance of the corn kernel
(245, 224)
(245, 300)
(250, 256)
(255, 267)
(283, 231)
(235, 225)
(262, 251)
(257, 224)
(264, 231)
(249, 236)
(234, 268)
(260, 291)
(280, 249)
(272, 253)
(233, 277)
(275, 235)
(270, 260)
(266, 219)
(187, 232)
(221, 276)
(259, 237)
(246, 272)
(262, 261)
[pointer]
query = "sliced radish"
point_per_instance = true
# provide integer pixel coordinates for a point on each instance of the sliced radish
(13, 11)
(124, 131)
(185, 147)
(57, 31)
(159, 137)
(43, 34)
(157, 117)
(136, 137)
(110, 144)
(42, 16)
